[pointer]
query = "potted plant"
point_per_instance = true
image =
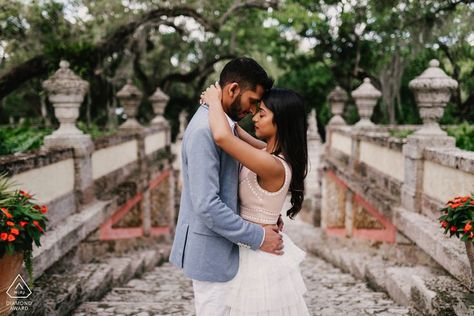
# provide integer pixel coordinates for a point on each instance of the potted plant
(22, 223)
(458, 220)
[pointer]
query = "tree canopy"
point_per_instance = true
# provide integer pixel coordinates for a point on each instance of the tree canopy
(180, 46)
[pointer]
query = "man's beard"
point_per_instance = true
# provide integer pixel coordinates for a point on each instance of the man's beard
(235, 109)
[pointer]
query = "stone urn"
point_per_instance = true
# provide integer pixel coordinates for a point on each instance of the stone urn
(159, 100)
(66, 92)
(366, 97)
(337, 99)
(130, 97)
(10, 266)
(432, 91)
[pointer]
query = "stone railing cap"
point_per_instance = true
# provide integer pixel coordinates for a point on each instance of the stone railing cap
(338, 95)
(65, 81)
(129, 91)
(159, 95)
(366, 91)
(433, 78)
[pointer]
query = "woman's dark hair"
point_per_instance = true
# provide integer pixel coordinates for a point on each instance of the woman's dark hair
(289, 116)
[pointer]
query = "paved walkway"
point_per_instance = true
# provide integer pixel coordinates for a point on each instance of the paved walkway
(166, 291)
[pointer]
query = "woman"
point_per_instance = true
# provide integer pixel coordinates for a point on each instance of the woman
(267, 284)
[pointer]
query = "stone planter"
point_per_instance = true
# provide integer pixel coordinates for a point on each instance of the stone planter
(130, 97)
(66, 92)
(366, 97)
(337, 98)
(159, 100)
(470, 256)
(432, 91)
(9, 268)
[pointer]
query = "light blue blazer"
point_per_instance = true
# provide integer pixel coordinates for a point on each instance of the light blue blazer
(209, 228)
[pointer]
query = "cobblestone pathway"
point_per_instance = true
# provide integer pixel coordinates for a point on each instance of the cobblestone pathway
(166, 291)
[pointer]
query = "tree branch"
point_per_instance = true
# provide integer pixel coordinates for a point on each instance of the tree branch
(191, 75)
(40, 65)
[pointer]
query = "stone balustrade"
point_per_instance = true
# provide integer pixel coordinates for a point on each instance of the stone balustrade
(384, 188)
(120, 186)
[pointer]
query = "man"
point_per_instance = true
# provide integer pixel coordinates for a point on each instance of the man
(209, 229)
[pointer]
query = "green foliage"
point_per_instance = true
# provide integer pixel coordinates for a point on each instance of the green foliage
(458, 217)
(464, 134)
(21, 139)
(94, 130)
(309, 46)
(400, 133)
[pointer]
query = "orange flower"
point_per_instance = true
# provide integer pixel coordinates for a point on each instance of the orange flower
(455, 205)
(9, 223)
(444, 224)
(468, 227)
(464, 199)
(44, 209)
(25, 194)
(15, 231)
(38, 226)
(472, 202)
(3, 236)
(453, 229)
(5, 211)
(23, 223)
(11, 237)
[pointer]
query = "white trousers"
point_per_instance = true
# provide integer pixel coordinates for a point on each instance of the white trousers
(209, 298)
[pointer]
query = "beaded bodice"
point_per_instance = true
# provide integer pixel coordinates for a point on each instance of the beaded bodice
(258, 205)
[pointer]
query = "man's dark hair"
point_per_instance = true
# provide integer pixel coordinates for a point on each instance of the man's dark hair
(247, 73)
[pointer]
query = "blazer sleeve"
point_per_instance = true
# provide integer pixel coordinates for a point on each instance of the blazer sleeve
(203, 161)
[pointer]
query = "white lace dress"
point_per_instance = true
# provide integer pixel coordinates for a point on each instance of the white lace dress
(266, 284)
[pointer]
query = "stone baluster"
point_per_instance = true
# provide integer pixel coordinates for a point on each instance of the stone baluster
(432, 91)
(366, 97)
(130, 97)
(312, 181)
(159, 100)
(66, 92)
(176, 148)
(337, 99)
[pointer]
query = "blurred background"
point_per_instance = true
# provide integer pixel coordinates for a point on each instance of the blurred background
(180, 46)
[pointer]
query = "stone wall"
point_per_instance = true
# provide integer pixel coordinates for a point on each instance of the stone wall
(118, 187)
(390, 189)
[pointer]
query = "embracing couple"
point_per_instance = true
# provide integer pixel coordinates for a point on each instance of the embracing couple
(229, 237)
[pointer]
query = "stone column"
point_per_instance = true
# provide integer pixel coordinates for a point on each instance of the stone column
(130, 98)
(337, 99)
(159, 100)
(179, 140)
(349, 215)
(432, 91)
(365, 97)
(312, 181)
(66, 92)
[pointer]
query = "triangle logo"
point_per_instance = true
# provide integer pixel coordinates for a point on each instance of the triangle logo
(19, 288)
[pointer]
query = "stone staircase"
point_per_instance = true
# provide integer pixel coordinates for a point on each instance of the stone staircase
(61, 292)
(428, 289)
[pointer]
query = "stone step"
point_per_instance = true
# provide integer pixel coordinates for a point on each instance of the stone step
(449, 253)
(57, 242)
(425, 289)
(60, 294)
(170, 307)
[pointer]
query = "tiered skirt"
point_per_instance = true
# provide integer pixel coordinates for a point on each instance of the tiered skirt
(267, 284)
